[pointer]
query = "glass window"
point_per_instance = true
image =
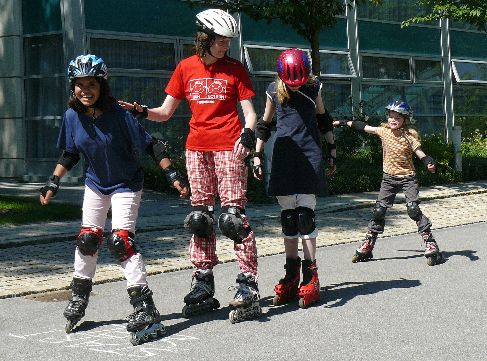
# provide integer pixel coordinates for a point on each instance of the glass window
(135, 54)
(385, 68)
(468, 71)
(470, 100)
(336, 97)
(262, 59)
(44, 55)
(427, 70)
(42, 135)
(45, 97)
(188, 50)
(389, 10)
(336, 64)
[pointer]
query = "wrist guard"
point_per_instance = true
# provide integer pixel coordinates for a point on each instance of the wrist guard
(140, 115)
(172, 175)
(263, 130)
(247, 138)
(428, 160)
(358, 125)
(325, 122)
(259, 155)
(52, 185)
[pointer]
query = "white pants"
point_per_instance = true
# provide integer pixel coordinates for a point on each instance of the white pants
(125, 210)
(299, 200)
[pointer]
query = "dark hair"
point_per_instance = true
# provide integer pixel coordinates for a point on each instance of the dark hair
(104, 102)
(202, 43)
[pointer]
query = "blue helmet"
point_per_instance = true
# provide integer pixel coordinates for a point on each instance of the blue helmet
(400, 107)
(87, 65)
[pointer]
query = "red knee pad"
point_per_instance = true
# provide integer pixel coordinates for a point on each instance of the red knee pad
(122, 244)
(89, 240)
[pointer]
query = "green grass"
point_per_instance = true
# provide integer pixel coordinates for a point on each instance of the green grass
(21, 210)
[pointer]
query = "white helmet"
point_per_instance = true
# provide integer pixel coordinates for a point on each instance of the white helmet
(217, 22)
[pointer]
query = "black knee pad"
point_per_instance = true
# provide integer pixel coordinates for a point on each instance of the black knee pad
(306, 220)
(289, 222)
(89, 240)
(122, 244)
(379, 213)
(414, 212)
(200, 221)
(231, 225)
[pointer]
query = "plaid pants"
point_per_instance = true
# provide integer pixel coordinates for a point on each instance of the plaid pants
(213, 173)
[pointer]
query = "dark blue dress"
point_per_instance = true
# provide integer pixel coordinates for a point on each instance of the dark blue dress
(297, 160)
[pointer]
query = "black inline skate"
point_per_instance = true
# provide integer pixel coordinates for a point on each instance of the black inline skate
(245, 303)
(364, 252)
(75, 310)
(432, 252)
(144, 324)
(200, 299)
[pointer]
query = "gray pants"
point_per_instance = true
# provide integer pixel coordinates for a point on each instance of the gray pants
(389, 187)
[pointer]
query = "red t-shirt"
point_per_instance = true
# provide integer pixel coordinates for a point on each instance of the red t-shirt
(212, 92)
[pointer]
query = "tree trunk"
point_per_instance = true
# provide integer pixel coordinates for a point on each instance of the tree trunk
(315, 51)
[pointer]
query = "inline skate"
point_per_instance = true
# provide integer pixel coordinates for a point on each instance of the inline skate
(245, 303)
(309, 290)
(75, 310)
(432, 252)
(144, 324)
(287, 288)
(364, 252)
(200, 298)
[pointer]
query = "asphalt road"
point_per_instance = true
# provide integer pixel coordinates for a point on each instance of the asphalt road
(392, 308)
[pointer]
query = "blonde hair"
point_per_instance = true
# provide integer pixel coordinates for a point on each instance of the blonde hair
(282, 90)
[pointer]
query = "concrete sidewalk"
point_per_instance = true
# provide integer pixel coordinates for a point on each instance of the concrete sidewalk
(38, 257)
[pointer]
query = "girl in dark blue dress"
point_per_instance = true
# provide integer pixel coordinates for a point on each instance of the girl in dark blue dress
(297, 171)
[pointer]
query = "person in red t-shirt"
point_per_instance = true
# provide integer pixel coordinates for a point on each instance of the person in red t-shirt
(213, 83)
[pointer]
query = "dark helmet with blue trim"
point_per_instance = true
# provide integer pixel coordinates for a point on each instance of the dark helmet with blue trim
(87, 65)
(401, 107)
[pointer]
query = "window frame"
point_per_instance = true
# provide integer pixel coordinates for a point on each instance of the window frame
(457, 75)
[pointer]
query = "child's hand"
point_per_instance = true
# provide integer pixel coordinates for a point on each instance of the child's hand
(431, 167)
(182, 188)
(257, 169)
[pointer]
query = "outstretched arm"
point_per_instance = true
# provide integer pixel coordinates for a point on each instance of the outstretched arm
(159, 114)
(355, 124)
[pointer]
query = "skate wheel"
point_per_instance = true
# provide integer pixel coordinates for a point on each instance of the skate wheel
(186, 312)
(355, 258)
(216, 304)
(233, 316)
(134, 340)
(69, 326)
(276, 301)
(434, 259)
(302, 303)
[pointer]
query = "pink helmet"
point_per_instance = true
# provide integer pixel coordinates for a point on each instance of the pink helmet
(293, 67)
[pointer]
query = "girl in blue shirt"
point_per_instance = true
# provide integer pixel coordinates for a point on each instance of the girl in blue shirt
(111, 141)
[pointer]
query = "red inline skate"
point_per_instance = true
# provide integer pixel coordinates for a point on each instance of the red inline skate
(309, 290)
(287, 288)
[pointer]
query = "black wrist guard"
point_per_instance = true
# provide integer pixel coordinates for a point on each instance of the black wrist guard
(358, 125)
(247, 138)
(343, 122)
(52, 185)
(157, 150)
(325, 122)
(259, 155)
(140, 115)
(428, 160)
(263, 130)
(172, 175)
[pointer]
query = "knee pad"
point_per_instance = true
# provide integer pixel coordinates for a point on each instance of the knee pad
(379, 213)
(289, 222)
(231, 225)
(200, 221)
(122, 244)
(306, 220)
(89, 240)
(414, 212)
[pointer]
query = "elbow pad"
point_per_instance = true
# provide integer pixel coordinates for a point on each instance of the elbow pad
(157, 150)
(68, 160)
(325, 122)
(263, 130)
(358, 125)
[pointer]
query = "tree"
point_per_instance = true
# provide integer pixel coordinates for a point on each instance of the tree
(473, 12)
(306, 17)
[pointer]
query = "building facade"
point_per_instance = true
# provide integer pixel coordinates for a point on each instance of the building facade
(367, 59)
